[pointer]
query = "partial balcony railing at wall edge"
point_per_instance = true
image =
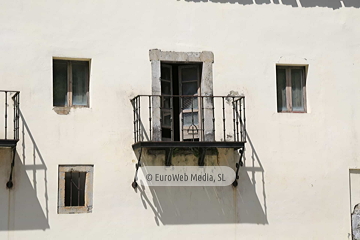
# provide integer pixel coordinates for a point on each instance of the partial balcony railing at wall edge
(10, 108)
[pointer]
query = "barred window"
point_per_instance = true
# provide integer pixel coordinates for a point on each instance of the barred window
(75, 188)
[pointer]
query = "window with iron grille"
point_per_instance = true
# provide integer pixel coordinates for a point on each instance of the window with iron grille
(75, 188)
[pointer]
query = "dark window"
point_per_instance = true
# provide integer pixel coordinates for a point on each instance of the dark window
(70, 83)
(75, 188)
(291, 89)
(180, 106)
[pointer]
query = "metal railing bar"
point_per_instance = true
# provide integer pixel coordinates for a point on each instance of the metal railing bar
(150, 117)
(139, 121)
(78, 189)
(213, 115)
(234, 119)
(71, 187)
(192, 116)
(161, 114)
(237, 121)
(182, 119)
(223, 110)
(206, 104)
(6, 114)
(14, 120)
(241, 121)
(244, 139)
(133, 103)
(10, 91)
(167, 95)
(171, 119)
(202, 118)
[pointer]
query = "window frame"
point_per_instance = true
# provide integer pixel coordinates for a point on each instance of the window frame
(88, 195)
(70, 81)
(288, 88)
(206, 58)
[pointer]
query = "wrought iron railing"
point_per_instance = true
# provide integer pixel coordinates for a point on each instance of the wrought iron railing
(10, 109)
(189, 118)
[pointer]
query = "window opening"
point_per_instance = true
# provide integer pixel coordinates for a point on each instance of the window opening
(70, 83)
(75, 188)
(291, 88)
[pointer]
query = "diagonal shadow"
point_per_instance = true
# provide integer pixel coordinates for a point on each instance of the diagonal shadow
(24, 206)
(211, 205)
(256, 166)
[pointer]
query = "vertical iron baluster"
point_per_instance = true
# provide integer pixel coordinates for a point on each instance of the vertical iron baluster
(135, 128)
(78, 189)
(161, 114)
(233, 118)
(71, 183)
(241, 120)
(171, 119)
(133, 103)
(5, 114)
(17, 115)
(16, 136)
(244, 119)
(223, 108)
(150, 118)
(237, 120)
(18, 101)
(213, 114)
(14, 117)
(202, 119)
(137, 119)
(192, 116)
(139, 124)
(182, 118)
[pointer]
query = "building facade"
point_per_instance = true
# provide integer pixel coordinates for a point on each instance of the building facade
(73, 129)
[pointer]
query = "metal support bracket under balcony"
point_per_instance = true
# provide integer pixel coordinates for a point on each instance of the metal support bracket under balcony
(168, 156)
(238, 165)
(137, 166)
(10, 183)
(202, 153)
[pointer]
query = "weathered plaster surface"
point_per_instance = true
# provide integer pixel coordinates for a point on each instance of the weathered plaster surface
(296, 165)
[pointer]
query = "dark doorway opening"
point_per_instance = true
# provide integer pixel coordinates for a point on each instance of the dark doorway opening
(178, 113)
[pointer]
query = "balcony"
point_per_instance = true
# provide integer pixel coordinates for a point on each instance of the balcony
(182, 121)
(9, 134)
(166, 122)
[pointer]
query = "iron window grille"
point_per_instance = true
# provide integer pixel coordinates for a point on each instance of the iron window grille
(75, 189)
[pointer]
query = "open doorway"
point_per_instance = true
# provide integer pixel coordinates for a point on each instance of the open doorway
(180, 106)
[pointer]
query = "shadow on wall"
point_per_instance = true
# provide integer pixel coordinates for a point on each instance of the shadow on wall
(27, 209)
(334, 4)
(211, 205)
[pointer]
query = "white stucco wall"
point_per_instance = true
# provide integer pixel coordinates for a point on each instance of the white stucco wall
(295, 184)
